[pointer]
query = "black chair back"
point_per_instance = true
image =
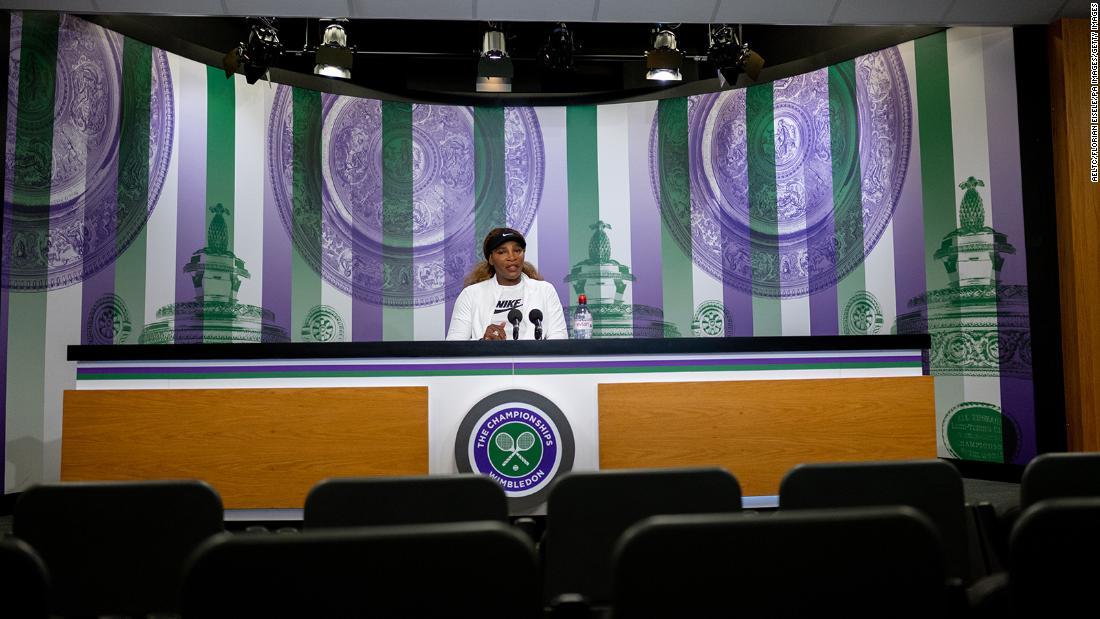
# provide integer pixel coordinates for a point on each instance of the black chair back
(587, 512)
(863, 562)
(387, 501)
(25, 581)
(116, 547)
(482, 569)
(1060, 475)
(932, 487)
(1053, 558)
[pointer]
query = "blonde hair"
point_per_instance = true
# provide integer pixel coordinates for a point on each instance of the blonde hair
(483, 271)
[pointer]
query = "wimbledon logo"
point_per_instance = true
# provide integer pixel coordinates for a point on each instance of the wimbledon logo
(518, 438)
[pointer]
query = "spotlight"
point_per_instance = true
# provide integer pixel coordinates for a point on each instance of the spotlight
(494, 68)
(257, 55)
(663, 62)
(731, 55)
(334, 57)
(557, 54)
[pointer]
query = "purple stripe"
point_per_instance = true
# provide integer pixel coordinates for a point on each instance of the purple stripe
(553, 215)
(191, 203)
(5, 254)
(824, 318)
(103, 282)
(645, 221)
(366, 317)
(458, 225)
(373, 367)
(908, 221)
(276, 259)
(398, 367)
(1006, 212)
(738, 303)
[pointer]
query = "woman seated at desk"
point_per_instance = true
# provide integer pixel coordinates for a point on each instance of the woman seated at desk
(502, 283)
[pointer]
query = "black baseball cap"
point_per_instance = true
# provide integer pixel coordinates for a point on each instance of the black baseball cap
(501, 236)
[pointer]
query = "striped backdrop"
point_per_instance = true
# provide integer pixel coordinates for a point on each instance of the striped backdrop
(150, 199)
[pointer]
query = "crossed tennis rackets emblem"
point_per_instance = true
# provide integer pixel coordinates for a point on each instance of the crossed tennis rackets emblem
(523, 442)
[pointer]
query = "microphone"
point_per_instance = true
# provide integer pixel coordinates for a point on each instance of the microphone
(514, 317)
(536, 319)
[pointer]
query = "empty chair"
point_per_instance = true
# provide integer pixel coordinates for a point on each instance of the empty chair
(861, 562)
(1060, 475)
(933, 487)
(116, 547)
(587, 512)
(1053, 565)
(483, 569)
(24, 579)
(383, 501)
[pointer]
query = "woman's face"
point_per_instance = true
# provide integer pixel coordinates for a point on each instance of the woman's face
(507, 261)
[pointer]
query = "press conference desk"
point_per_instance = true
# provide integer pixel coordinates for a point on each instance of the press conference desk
(264, 422)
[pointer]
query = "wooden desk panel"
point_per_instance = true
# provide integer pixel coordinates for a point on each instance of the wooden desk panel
(260, 448)
(760, 429)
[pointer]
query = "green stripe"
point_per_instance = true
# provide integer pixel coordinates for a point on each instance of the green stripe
(847, 179)
(305, 279)
(937, 160)
(397, 219)
(26, 354)
(133, 176)
(937, 157)
(676, 274)
(489, 189)
(220, 133)
(763, 213)
(518, 371)
(584, 179)
(220, 152)
(722, 368)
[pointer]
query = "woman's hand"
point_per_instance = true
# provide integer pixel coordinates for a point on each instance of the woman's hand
(495, 332)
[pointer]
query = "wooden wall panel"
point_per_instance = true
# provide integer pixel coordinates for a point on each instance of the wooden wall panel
(1077, 207)
(760, 429)
(260, 448)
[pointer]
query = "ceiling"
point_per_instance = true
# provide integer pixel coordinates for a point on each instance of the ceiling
(790, 12)
(426, 50)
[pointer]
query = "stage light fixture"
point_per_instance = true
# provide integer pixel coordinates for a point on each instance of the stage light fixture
(334, 56)
(255, 56)
(663, 62)
(494, 67)
(557, 54)
(731, 55)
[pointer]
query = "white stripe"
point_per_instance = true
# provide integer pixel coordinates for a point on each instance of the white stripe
(531, 254)
(160, 243)
(430, 322)
(63, 325)
(331, 296)
(794, 312)
(970, 141)
(250, 115)
(613, 164)
(704, 286)
(640, 125)
(878, 270)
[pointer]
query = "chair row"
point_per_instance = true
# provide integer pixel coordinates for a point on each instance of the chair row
(859, 562)
(119, 548)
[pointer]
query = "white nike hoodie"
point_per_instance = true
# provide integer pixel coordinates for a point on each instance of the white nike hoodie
(473, 311)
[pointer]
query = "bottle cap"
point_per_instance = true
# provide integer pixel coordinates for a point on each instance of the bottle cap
(582, 299)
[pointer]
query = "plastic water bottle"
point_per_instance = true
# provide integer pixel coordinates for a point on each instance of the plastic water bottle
(582, 320)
